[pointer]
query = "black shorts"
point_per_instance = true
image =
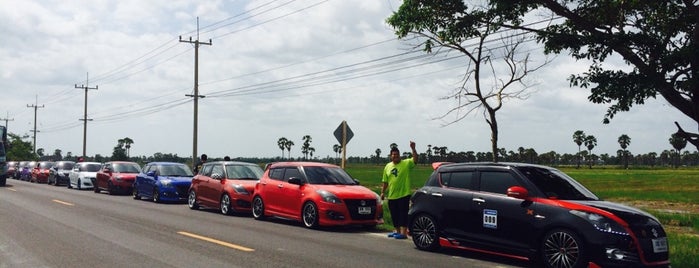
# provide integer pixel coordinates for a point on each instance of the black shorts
(399, 211)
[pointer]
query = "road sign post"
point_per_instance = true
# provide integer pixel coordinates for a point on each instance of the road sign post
(343, 134)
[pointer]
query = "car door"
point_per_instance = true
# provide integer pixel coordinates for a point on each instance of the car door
(501, 220)
(103, 175)
(141, 182)
(269, 187)
(289, 196)
(217, 175)
(454, 201)
(205, 182)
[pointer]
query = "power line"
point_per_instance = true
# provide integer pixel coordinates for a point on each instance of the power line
(85, 119)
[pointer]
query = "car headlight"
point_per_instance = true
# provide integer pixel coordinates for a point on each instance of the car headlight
(329, 197)
(378, 199)
(601, 223)
(239, 189)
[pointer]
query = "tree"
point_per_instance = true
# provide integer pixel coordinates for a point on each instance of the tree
(57, 155)
(378, 155)
(678, 142)
(18, 149)
(40, 152)
(337, 149)
(495, 68)
(306, 147)
(590, 143)
(288, 145)
(578, 138)
(282, 144)
(119, 153)
(624, 142)
(657, 39)
(127, 145)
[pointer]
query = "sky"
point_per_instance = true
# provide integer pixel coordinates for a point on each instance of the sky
(274, 69)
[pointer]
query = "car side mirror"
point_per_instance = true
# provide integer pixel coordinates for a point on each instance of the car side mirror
(295, 180)
(518, 192)
(152, 174)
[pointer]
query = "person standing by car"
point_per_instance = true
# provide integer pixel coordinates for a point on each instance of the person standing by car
(201, 162)
(396, 188)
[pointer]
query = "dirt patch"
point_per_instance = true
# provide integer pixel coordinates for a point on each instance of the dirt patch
(664, 206)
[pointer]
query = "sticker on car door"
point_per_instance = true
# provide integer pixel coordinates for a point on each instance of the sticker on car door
(490, 218)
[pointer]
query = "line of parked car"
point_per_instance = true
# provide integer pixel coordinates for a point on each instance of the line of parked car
(515, 210)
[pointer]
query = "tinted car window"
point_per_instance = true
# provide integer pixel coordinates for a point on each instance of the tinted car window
(127, 168)
(461, 180)
(328, 175)
(244, 172)
(217, 169)
(556, 184)
(276, 174)
(90, 167)
(497, 182)
(206, 170)
(175, 170)
(292, 173)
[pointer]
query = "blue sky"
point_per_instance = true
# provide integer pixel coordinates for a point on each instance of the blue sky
(274, 69)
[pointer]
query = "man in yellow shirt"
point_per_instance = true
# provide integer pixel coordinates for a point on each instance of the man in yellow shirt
(396, 188)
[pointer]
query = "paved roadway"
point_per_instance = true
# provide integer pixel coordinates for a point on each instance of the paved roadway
(46, 226)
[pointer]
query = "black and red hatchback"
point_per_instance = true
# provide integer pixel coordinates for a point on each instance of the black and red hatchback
(531, 212)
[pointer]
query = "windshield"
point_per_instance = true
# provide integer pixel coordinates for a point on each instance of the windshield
(244, 172)
(328, 175)
(127, 168)
(64, 165)
(90, 167)
(175, 171)
(556, 184)
(45, 165)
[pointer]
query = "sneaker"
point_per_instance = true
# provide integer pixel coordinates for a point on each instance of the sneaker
(400, 236)
(393, 234)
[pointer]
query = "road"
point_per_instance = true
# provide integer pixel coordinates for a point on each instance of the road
(46, 226)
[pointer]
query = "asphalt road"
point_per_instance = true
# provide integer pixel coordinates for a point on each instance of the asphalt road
(46, 226)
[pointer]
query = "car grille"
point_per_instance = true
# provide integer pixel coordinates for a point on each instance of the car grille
(646, 230)
(182, 191)
(353, 208)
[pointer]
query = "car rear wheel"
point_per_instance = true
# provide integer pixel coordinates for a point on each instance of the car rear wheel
(192, 200)
(562, 248)
(79, 185)
(95, 188)
(258, 208)
(424, 232)
(226, 205)
(156, 195)
(110, 188)
(309, 215)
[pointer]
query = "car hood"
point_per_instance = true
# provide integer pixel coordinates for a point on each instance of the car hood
(126, 175)
(347, 191)
(627, 213)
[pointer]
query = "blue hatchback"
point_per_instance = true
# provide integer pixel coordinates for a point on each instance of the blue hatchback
(163, 182)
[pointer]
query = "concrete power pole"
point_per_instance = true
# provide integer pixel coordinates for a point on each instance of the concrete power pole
(196, 95)
(35, 106)
(85, 87)
(7, 118)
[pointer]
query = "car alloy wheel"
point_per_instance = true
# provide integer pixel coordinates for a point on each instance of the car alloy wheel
(226, 205)
(258, 208)
(110, 188)
(192, 200)
(309, 215)
(95, 188)
(424, 232)
(156, 195)
(79, 186)
(562, 249)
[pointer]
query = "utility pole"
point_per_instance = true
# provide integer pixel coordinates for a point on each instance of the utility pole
(196, 95)
(7, 118)
(85, 87)
(35, 106)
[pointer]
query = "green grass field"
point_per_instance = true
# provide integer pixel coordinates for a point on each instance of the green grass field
(672, 195)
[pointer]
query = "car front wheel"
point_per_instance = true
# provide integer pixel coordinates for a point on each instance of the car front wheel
(156, 195)
(258, 208)
(424, 232)
(134, 193)
(309, 215)
(192, 200)
(226, 205)
(562, 248)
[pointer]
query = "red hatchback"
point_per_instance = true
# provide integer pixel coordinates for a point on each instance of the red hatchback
(116, 177)
(316, 194)
(40, 173)
(226, 185)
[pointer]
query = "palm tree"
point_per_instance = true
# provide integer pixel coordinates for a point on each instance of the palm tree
(305, 148)
(337, 149)
(590, 143)
(624, 141)
(393, 145)
(288, 145)
(282, 144)
(678, 142)
(127, 144)
(579, 138)
(378, 155)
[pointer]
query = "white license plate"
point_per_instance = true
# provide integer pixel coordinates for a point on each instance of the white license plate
(364, 210)
(659, 245)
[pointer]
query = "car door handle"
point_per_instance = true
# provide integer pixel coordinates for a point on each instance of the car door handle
(478, 200)
(436, 194)
(280, 185)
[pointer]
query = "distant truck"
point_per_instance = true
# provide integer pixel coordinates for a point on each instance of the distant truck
(3, 156)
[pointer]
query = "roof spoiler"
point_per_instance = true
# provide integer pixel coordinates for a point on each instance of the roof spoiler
(436, 165)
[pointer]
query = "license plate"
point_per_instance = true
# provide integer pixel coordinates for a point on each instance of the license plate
(364, 210)
(659, 245)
